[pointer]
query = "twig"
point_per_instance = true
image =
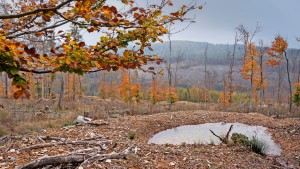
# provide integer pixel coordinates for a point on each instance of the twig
(39, 138)
(95, 138)
(97, 124)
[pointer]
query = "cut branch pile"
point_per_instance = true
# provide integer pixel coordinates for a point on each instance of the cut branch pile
(83, 152)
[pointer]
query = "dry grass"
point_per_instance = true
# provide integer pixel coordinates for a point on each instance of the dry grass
(24, 116)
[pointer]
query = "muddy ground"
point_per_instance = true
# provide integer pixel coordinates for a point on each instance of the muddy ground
(134, 131)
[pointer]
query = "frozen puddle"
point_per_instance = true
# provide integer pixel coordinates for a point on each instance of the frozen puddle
(200, 134)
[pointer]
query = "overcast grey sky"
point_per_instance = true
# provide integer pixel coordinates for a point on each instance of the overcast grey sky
(217, 21)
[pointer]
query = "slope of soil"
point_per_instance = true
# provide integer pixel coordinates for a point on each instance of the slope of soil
(286, 133)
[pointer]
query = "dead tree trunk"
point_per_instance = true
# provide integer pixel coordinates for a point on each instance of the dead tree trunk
(230, 72)
(290, 84)
(169, 71)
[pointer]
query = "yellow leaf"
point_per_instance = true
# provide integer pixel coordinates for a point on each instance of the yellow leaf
(72, 42)
(66, 48)
(68, 62)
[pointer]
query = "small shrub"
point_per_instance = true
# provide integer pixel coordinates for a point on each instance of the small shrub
(131, 135)
(258, 146)
(238, 138)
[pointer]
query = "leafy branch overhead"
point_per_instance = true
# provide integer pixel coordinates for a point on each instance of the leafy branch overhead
(25, 21)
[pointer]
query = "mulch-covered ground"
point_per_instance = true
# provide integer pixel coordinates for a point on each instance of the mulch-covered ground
(115, 137)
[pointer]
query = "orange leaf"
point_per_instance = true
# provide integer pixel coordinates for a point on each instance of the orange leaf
(18, 94)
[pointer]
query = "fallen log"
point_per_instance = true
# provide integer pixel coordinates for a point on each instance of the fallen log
(54, 161)
(73, 158)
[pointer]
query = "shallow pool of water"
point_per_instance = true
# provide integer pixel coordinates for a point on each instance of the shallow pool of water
(200, 134)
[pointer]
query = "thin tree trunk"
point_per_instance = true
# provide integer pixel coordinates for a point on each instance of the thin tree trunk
(290, 84)
(6, 85)
(230, 73)
(61, 95)
(262, 93)
(251, 85)
(68, 86)
(74, 87)
(80, 87)
(169, 72)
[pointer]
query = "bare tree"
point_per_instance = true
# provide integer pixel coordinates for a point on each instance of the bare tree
(247, 36)
(231, 64)
(290, 83)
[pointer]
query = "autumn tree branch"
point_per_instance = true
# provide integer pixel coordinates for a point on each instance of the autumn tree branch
(36, 11)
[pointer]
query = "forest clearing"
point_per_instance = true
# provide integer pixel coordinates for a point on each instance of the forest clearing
(59, 135)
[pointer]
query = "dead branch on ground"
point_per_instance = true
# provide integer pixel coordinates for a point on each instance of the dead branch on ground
(75, 157)
(43, 145)
(224, 139)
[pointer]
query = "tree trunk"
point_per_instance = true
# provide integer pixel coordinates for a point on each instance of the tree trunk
(80, 87)
(169, 71)
(290, 84)
(61, 95)
(74, 87)
(230, 73)
(6, 85)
